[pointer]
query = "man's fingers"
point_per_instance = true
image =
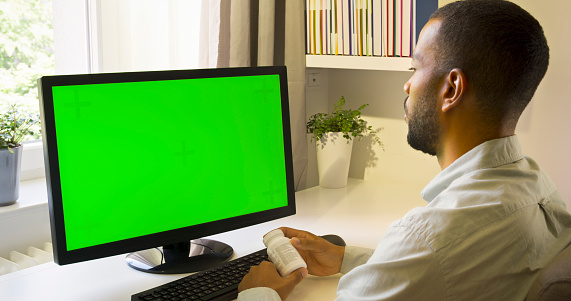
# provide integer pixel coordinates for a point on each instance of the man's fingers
(290, 233)
(298, 275)
(308, 244)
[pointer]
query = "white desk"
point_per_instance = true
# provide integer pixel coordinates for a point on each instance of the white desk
(360, 213)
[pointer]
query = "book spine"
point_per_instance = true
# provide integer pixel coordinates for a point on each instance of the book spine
(351, 28)
(398, 27)
(326, 31)
(339, 26)
(323, 29)
(370, 27)
(377, 28)
(307, 27)
(423, 9)
(406, 48)
(313, 28)
(346, 27)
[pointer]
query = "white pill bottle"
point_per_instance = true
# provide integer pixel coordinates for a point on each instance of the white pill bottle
(281, 252)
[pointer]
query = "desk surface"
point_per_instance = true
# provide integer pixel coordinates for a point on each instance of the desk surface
(360, 213)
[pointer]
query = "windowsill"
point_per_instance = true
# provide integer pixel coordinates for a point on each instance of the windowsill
(33, 196)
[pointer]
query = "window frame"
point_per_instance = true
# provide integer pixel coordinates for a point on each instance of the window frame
(72, 41)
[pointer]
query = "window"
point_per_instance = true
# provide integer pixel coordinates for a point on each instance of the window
(26, 53)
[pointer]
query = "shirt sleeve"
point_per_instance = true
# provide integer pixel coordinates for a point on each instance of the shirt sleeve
(259, 294)
(403, 267)
(354, 257)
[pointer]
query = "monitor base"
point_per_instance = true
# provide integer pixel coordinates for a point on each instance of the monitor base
(180, 258)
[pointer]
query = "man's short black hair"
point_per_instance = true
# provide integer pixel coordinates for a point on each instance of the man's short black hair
(500, 47)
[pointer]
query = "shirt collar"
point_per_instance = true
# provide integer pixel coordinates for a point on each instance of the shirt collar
(489, 154)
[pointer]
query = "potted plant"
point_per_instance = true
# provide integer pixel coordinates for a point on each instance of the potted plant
(14, 127)
(334, 135)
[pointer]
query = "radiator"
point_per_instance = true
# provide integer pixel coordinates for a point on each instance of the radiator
(19, 261)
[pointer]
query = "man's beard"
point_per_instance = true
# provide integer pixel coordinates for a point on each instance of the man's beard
(423, 126)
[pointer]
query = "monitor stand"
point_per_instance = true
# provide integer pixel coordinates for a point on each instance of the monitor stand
(179, 258)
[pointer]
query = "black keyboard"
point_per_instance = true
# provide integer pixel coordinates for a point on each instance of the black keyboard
(218, 283)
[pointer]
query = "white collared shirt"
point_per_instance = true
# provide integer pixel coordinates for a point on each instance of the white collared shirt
(493, 220)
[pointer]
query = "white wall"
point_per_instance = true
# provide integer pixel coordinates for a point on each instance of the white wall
(542, 129)
(383, 91)
(544, 126)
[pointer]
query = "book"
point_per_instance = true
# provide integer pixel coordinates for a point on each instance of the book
(326, 27)
(422, 11)
(319, 29)
(398, 27)
(377, 27)
(346, 21)
(384, 27)
(359, 26)
(308, 27)
(353, 23)
(390, 27)
(406, 28)
(338, 20)
(332, 21)
(369, 27)
(339, 27)
(323, 28)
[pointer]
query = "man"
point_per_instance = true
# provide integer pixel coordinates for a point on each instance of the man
(493, 218)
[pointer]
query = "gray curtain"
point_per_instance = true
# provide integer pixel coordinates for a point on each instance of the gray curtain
(244, 33)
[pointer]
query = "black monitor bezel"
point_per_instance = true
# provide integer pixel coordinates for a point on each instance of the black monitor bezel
(61, 254)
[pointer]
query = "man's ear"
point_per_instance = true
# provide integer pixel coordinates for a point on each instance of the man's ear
(454, 87)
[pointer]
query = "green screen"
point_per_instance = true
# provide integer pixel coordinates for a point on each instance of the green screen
(144, 157)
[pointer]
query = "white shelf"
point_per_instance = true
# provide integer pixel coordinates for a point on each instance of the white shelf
(358, 62)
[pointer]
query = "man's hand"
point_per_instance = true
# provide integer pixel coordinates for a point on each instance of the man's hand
(322, 257)
(266, 275)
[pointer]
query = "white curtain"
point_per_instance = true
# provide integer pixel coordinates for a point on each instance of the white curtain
(243, 33)
(136, 35)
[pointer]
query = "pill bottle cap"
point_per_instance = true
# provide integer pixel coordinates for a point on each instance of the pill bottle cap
(271, 235)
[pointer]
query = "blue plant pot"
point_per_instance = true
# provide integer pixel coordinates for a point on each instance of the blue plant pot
(10, 175)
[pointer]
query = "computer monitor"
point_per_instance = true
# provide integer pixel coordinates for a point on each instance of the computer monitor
(139, 160)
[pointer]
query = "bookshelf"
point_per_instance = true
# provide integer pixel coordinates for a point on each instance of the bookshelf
(358, 62)
(322, 14)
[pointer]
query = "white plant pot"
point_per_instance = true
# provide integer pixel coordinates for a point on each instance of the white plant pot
(333, 159)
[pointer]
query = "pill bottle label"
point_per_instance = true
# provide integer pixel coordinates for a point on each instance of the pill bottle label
(284, 256)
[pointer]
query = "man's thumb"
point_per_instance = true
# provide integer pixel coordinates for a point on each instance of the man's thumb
(298, 275)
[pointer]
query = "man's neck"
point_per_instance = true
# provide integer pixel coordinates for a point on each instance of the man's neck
(458, 143)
